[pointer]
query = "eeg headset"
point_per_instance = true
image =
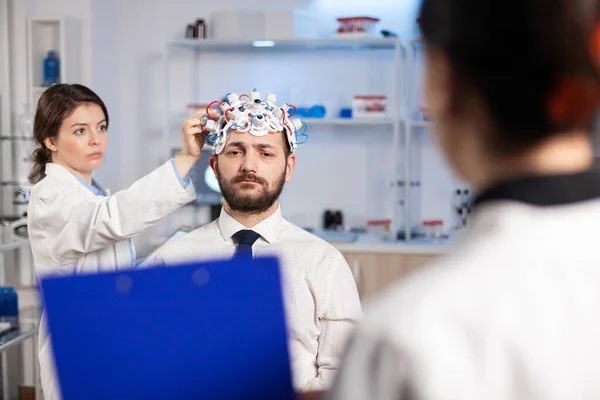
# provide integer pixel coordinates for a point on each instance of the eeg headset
(253, 115)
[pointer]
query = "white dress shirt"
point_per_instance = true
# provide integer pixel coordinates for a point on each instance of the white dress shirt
(320, 295)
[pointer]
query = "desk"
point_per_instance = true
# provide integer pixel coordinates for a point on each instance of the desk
(27, 330)
(13, 245)
(28, 321)
(17, 335)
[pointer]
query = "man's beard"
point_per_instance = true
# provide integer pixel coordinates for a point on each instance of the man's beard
(255, 202)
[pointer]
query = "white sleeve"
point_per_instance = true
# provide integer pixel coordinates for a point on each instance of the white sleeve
(373, 368)
(338, 317)
(156, 260)
(73, 223)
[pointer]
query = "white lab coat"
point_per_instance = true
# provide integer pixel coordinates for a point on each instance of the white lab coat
(73, 231)
(511, 312)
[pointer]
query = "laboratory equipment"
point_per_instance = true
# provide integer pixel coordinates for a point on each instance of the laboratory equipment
(328, 220)
(250, 113)
(23, 146)
(358, 27)
(346, 112)
(200, 29)
(462, 206)
(379, 228)
(333, 220)
(433, 229)
(190, 31)
(51, 69)
(369, 107)
(425, 114)
(18, 227)
(9, 308)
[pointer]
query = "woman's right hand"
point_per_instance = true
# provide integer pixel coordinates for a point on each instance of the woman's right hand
(192, 143)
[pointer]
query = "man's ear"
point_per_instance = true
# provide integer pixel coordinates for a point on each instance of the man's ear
(290, 165)
(213, 164)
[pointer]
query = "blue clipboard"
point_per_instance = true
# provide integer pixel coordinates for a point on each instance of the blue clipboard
(195, 331)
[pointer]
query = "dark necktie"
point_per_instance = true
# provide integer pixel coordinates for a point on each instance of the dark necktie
(245, 239)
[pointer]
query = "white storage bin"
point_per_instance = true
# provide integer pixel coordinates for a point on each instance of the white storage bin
(236, 25)
(285, 25)
(262, 25)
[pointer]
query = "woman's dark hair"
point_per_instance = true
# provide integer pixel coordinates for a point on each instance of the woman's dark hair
(56, 103)
(528, 61)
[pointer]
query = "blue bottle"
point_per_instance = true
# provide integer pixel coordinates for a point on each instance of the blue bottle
(51, 69)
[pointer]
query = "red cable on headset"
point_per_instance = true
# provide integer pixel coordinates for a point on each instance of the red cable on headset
(208, 111)
(227, 113)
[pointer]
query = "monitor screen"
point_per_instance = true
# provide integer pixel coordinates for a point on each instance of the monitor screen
(204, 180)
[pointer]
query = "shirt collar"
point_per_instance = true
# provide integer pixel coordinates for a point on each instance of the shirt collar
(94, 187)
(267, 229)
(53, 169)
(546, 190)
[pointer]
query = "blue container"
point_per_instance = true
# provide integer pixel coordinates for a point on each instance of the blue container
(317, 111)
(9, 306)
(346, 113)
(51, 69)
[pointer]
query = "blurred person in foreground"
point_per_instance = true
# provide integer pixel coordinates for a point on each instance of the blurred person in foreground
(512, 312)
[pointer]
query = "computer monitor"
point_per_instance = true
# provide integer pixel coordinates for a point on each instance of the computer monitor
(204, 180)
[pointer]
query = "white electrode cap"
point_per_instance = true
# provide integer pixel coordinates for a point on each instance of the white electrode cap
(297, 124)
(271, 99)
(233, 99)
(210, 125)
(225, 106)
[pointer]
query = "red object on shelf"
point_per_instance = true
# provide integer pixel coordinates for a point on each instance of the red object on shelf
(425, 113)
(365, 106)
(376, 222)
(356, 25)
(433, 222)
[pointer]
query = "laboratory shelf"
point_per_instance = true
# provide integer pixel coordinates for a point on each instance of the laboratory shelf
(288, 45)
(420, 124)
(348, 121)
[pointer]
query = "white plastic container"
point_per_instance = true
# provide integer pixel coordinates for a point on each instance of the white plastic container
(358, 27)
(369, 107)
(262, 25)
(287, 25)
(236, 25)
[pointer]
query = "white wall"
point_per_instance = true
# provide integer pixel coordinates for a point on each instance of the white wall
(133, 85)
(124, 46)
(82, 10)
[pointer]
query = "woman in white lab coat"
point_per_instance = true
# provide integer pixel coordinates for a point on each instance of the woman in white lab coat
(512, 311)
(74, 227)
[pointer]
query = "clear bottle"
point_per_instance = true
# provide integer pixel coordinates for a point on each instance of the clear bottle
(200, 29)
(26, 121)
(24, 146)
